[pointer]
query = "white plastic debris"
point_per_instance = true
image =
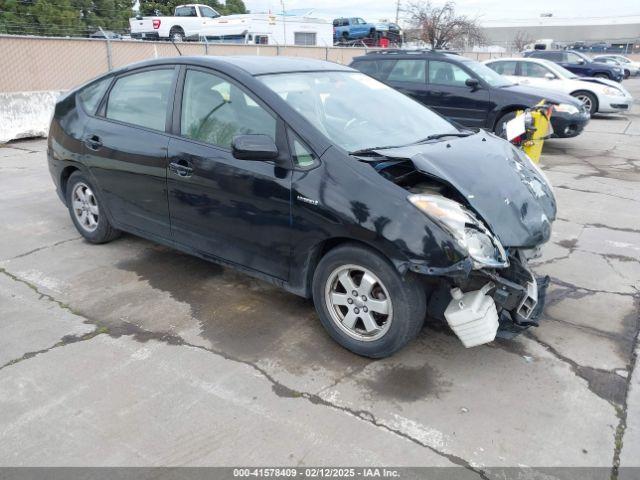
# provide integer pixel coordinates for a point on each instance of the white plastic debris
(473, 316)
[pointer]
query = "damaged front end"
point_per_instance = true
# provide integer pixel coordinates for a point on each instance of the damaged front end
(480, 303)
(498, 207)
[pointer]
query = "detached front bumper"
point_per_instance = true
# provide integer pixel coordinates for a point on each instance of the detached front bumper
(487, 301)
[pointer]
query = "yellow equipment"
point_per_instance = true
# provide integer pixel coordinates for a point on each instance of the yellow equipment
(537, 129)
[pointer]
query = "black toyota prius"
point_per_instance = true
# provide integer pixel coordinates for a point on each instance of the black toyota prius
(317, 178)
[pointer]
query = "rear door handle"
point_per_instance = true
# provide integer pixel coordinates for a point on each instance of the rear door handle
(93, 142)
(181, 167)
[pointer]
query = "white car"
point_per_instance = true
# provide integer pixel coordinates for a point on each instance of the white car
(599, 95)
(631, 68)
(186, 23)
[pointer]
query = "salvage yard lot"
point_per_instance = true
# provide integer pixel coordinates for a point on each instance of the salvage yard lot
(133, 354)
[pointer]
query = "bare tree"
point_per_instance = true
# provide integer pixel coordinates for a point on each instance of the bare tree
(442, 27)
(521, 40)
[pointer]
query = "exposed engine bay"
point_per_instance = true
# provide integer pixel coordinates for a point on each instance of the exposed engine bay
(495, 291)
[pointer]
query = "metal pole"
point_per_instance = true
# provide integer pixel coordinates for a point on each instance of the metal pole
(397, 11)
(109, 57)
(284, 23)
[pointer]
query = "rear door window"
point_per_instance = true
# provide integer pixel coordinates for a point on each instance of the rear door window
(186, 11)
(411, 71)
(141, 98)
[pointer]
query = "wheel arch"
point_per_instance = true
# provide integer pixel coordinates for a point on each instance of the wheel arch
(65, 174)
(503, 111)
(320, 249)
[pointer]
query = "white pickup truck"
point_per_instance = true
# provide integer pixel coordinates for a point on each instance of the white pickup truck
(185, 24)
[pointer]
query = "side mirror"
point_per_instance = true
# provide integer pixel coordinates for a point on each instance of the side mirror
(581, 62)
(473, 83)
(549, 76)
(253, 147)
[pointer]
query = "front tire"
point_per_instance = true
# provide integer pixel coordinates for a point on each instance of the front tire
(365, 304)
(87, 211)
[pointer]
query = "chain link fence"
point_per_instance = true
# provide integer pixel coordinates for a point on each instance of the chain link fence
(54, 63)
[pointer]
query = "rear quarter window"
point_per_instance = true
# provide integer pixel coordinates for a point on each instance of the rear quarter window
(91, 95)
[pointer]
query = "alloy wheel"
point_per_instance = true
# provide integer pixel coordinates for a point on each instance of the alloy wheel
(85, 207)
(358, 302)
(586, 101)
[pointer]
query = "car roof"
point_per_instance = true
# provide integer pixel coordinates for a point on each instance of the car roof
(253, 65)
(404, 54)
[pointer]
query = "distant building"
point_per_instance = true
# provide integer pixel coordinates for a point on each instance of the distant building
(618, 31)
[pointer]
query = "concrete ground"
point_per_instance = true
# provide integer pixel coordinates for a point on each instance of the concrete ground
(133, 354)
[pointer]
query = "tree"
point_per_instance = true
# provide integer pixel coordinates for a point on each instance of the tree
(63, 17)
(442, 27)
(521, 40)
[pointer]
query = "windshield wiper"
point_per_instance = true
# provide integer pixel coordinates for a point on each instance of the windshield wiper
(371, 150)
(436, 136)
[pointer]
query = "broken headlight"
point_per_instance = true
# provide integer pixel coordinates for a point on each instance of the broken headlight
(482, 246)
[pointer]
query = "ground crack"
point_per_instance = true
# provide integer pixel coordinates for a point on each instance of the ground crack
(66, 340)
(141, 335)
(45, 247)
(622, 410)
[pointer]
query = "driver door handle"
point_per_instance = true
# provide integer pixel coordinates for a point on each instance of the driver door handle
(181, 168)
(93, 142)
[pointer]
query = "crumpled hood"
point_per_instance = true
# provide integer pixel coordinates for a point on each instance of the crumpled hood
(498, 181)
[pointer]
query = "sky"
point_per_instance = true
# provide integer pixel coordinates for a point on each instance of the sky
(373, 10)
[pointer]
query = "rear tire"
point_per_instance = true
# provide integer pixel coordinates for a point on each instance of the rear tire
(176, 35)
(87, 211)
(588, 99)
(365, 304)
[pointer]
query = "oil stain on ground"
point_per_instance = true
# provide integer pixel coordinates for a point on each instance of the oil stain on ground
(404, 383)
(246, 317)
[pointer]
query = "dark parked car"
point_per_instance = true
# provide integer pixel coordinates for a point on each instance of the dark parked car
(466, 91)
(106, 34)
(579, 64)
(290, 170)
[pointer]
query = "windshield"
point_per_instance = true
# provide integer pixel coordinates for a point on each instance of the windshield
(490, 76)
(356, 111)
